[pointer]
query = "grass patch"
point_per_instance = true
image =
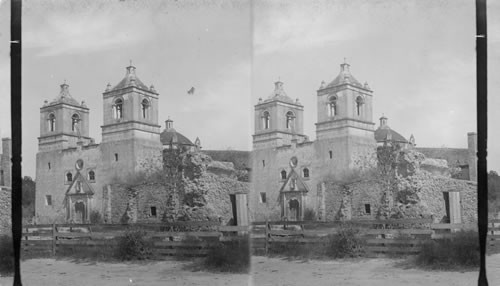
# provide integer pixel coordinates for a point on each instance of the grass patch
(459, 251)
(6, 255)
(230, 256)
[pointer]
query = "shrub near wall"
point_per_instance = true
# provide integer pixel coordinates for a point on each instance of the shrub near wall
(461, 250)
(347, 242)
(6, 255)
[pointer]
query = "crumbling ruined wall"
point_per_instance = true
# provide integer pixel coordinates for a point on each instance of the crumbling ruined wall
(200, 193)
(422, 195)
(5, 211)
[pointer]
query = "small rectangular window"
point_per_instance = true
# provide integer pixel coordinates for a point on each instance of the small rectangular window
(263, 163)
(116, 156)
(153, 211)
(49, 165)
(48, 200)
(263, 198)
(368, 209)
(1, 178)
(331, 154)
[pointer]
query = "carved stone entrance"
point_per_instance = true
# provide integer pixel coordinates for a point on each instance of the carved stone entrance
(80, 212)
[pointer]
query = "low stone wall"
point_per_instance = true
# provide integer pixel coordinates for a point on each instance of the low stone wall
(5, 211)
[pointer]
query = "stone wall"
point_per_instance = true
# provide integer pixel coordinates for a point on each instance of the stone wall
(5, 211)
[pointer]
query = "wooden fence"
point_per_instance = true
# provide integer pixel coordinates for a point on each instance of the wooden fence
(404, 236)
(172, 239)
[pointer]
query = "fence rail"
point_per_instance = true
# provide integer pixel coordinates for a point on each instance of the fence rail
(404, 236)
(179, 238)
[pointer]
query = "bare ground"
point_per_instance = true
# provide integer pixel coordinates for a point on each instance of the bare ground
(265, 271)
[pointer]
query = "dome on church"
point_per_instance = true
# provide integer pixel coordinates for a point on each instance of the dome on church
(279, 93)
(171, 136)
(385, 133)
(344, 77)
(64, 96)
(131, 79)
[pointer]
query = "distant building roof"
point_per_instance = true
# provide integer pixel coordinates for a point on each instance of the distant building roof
(385, 133)
(171, 136)
(454, 156)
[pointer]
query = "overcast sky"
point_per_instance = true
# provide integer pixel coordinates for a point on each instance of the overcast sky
(417, 56)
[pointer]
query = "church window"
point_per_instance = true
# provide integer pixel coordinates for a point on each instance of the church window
(52, 122)
(118, 109)
(266, 120)
(263, 198)
(145, 108)
(2, 182)
(331, 154)
(69, 177)
(359, 103)
(74, 122)
(283, 175)
(48, 200)
(153, 211)
(116, 156)
(289, 120)
(332, 106)
(305, 172)
(368, 209)
(91, 176)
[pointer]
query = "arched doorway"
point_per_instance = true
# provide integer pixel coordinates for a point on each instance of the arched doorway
(294, 207)
(80, 214)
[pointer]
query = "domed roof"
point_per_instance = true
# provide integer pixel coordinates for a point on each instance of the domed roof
(385, 133)
(130, 79)
(279, 93)
(64, 96)
(171, 136)
(344, 76)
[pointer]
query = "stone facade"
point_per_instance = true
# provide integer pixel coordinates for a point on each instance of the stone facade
(330, 172)
(73, 172)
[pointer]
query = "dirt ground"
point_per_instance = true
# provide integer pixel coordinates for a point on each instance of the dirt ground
(265, 271)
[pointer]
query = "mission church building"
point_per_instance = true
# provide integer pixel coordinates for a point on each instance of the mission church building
(292, 174)
(72, 171)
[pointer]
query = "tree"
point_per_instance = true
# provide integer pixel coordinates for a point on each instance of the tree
(29, 191)
(387, 163)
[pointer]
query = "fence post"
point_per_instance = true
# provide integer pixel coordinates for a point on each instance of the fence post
(53, 239)
(267, 237)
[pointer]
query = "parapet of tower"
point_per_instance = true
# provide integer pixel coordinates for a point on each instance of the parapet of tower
(63, 122)
(130, 110)
(278, 119)
(344, 106)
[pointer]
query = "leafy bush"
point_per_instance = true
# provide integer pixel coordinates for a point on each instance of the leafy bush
(6, 255)
(95, 217)
(134, 245)
(461, 250)
(309, 215)
(347, 242)
(231, 256)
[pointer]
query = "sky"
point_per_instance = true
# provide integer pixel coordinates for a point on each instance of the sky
(417, 56)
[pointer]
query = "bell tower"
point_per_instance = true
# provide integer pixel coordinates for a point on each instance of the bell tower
(345, 127)
(278, 120)
(130, 130)
(64, 122)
